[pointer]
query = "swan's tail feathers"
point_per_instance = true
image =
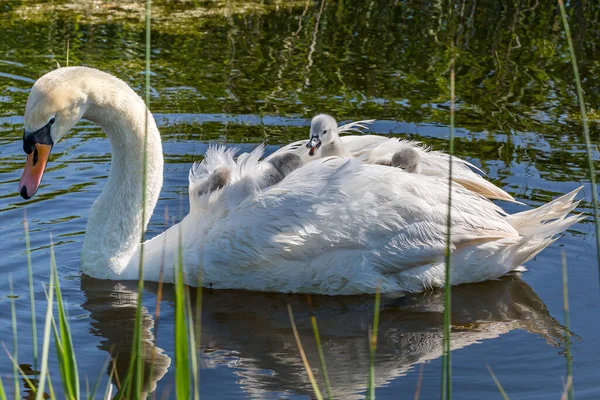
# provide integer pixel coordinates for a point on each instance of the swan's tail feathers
(540, 227)
(557, 208)
(357, 126)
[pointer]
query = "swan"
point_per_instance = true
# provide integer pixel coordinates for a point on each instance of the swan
(412, 156)
(333, 226)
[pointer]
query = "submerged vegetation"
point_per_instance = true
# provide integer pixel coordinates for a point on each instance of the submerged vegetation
(491, 79)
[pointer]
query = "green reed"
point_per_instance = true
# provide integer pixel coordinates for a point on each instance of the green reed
(586, 130)
(15, 355)
(373, 348)
(313, 320)
(182, 371)
(311, 377)
(446, 392)
(67, 363)
(136, 366)
(497, 382)
(569, 358)
(46, 342)
(31, 291)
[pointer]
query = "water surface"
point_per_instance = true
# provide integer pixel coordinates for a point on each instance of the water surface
(243, 73)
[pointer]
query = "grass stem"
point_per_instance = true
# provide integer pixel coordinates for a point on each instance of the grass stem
(313, 320)
(586, 130)
(446, 392)
(567, 330)
(497, 382)
(15, 353)
(311, 377)
(31, 292)
(373, 348)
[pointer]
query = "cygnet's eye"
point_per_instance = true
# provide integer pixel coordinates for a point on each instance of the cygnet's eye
(324, 132)
(52, 121)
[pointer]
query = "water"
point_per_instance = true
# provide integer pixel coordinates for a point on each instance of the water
(241, 73)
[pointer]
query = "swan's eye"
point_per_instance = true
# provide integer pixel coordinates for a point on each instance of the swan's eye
(52, 121)
(324, 132)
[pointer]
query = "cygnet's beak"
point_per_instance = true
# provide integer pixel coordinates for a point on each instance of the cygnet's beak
(37, 145)
(313, 144)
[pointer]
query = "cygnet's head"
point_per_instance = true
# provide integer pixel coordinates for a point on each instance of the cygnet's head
(408, 159)
(220, 177)
(323, 130)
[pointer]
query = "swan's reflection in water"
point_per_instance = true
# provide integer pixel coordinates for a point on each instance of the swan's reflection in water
(251, 332)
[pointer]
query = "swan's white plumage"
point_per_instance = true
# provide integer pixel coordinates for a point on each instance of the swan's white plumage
(334, 226)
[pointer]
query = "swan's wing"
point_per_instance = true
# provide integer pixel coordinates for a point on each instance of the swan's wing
(352, 214)
(437, 163)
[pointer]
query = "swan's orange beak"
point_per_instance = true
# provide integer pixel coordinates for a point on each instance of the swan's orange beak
(34, 169)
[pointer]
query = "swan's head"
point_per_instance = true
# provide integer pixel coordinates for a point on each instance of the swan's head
(56, 103)
(323, 130)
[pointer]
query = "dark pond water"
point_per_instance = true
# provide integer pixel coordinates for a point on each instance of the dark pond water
(243, 73)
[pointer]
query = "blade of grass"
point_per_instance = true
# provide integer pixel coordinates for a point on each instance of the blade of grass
(446, 392)
(135, 372)
(182, 368)
(373, 348)
(198, 319)
(159, 297)
(64, 342)
(567, 388)
(68, 49)
(19, 369)
(497, 382)
(311, 377)
(567, 331)
(2, 393)
(586, 131)
(50, 387)
(46, 343)
(313, 320)
(109, 387)
(193, 352)
(419, 381)
(13, 313)
(92, 395)
(31, 292)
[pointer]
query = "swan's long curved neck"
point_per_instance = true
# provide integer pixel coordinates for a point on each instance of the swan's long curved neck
(118, 217)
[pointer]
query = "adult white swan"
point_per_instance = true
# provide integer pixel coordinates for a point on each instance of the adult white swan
(333, 226)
